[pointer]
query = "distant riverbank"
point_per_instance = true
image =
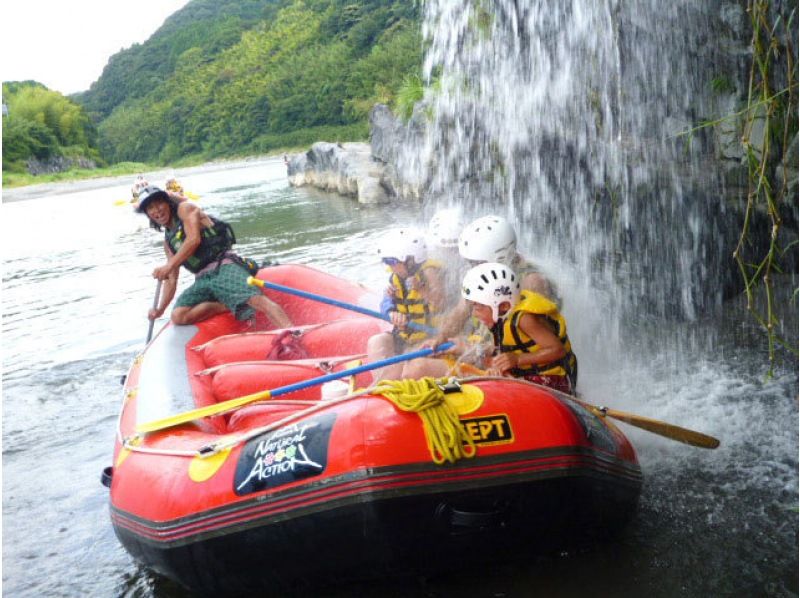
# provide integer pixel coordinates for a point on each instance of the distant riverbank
(156, 175)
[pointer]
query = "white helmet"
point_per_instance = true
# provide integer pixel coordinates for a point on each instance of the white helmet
(404, 243)
(491, 284)
(488, 239)
(138, 185)
(444, 228)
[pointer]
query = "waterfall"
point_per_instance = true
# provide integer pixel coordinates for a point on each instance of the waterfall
(566, 116)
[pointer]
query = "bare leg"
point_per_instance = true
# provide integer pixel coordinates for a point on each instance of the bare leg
(272, 310)
(202, 311)
(381, 346)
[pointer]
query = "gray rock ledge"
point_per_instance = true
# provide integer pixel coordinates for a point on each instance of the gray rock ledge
(345, 168)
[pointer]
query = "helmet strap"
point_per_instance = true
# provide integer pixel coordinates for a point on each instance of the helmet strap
(412, 266)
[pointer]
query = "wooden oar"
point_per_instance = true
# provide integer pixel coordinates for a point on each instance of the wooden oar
(655, 426)
(313, 296)
(225, 406)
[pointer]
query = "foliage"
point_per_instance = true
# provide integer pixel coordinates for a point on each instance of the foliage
(224, 77)
(19, 179)
(771, 124)
(302, 138)
(41, 124)
(306, 64)
(210, 26)
(408, 95)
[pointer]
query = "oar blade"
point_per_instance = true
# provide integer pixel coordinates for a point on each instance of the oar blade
(665, 429)
(208, 411)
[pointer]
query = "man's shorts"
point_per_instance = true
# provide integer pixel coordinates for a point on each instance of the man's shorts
(226, 284)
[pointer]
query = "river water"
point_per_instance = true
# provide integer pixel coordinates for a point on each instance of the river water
(77, 286)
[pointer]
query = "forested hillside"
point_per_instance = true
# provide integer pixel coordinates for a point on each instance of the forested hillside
(42, 124)
(231, 77)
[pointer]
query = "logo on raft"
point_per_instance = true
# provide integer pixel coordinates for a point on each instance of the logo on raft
(489, 429)
(292, 453)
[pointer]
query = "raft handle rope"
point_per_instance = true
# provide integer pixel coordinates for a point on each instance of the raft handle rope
(445, 436)
(208, 450)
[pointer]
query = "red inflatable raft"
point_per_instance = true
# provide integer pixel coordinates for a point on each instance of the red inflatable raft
(298, 489)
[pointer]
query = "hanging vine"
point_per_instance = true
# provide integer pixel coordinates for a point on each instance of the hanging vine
(770, 125)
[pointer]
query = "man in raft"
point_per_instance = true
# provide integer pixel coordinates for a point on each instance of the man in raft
(202, 245)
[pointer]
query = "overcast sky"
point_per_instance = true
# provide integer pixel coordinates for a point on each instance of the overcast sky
(65, 44)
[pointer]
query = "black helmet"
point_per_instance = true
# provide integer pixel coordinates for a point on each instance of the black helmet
(148, 194)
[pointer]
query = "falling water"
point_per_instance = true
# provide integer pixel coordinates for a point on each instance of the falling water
(567, 117)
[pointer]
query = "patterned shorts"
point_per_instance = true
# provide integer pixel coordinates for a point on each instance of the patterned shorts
(560, 383)
(226, 284)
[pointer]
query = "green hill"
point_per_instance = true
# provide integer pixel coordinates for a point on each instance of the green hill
(233, 77)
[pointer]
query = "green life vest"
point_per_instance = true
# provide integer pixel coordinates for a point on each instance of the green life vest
(215, 240)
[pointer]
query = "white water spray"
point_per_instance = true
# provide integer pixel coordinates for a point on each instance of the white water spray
(565, 117)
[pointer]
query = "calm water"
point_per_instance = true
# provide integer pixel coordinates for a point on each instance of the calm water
(77, 286)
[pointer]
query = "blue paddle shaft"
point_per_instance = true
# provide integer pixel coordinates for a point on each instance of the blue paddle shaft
(357, 370)
(342, 304)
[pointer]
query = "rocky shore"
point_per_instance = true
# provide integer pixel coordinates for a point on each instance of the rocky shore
(363, 171)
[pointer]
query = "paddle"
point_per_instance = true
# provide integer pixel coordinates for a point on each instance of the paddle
(155, 305)
(357, 308)
(655, 426)
(225, 406)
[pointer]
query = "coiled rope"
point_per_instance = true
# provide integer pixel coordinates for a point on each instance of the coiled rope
(446, 438)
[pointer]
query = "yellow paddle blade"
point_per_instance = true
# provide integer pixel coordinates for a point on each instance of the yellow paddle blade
(121, 202)
(208, 411)
(192, 196)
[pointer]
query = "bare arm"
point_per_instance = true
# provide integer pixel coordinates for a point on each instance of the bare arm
(434, 287)
(167, 290)
(452, 324)
(193, 220)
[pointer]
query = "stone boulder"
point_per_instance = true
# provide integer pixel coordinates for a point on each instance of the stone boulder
(344, 168)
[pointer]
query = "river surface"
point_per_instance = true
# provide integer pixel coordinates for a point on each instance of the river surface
(76, 289)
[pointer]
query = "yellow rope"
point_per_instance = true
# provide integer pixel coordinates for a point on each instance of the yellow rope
(447, 440)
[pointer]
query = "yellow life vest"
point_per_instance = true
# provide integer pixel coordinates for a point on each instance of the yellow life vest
(175, 187)
(409, 301)
(513, 339)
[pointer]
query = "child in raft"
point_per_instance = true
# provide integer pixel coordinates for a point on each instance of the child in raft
(529, 334)
(415, 295)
